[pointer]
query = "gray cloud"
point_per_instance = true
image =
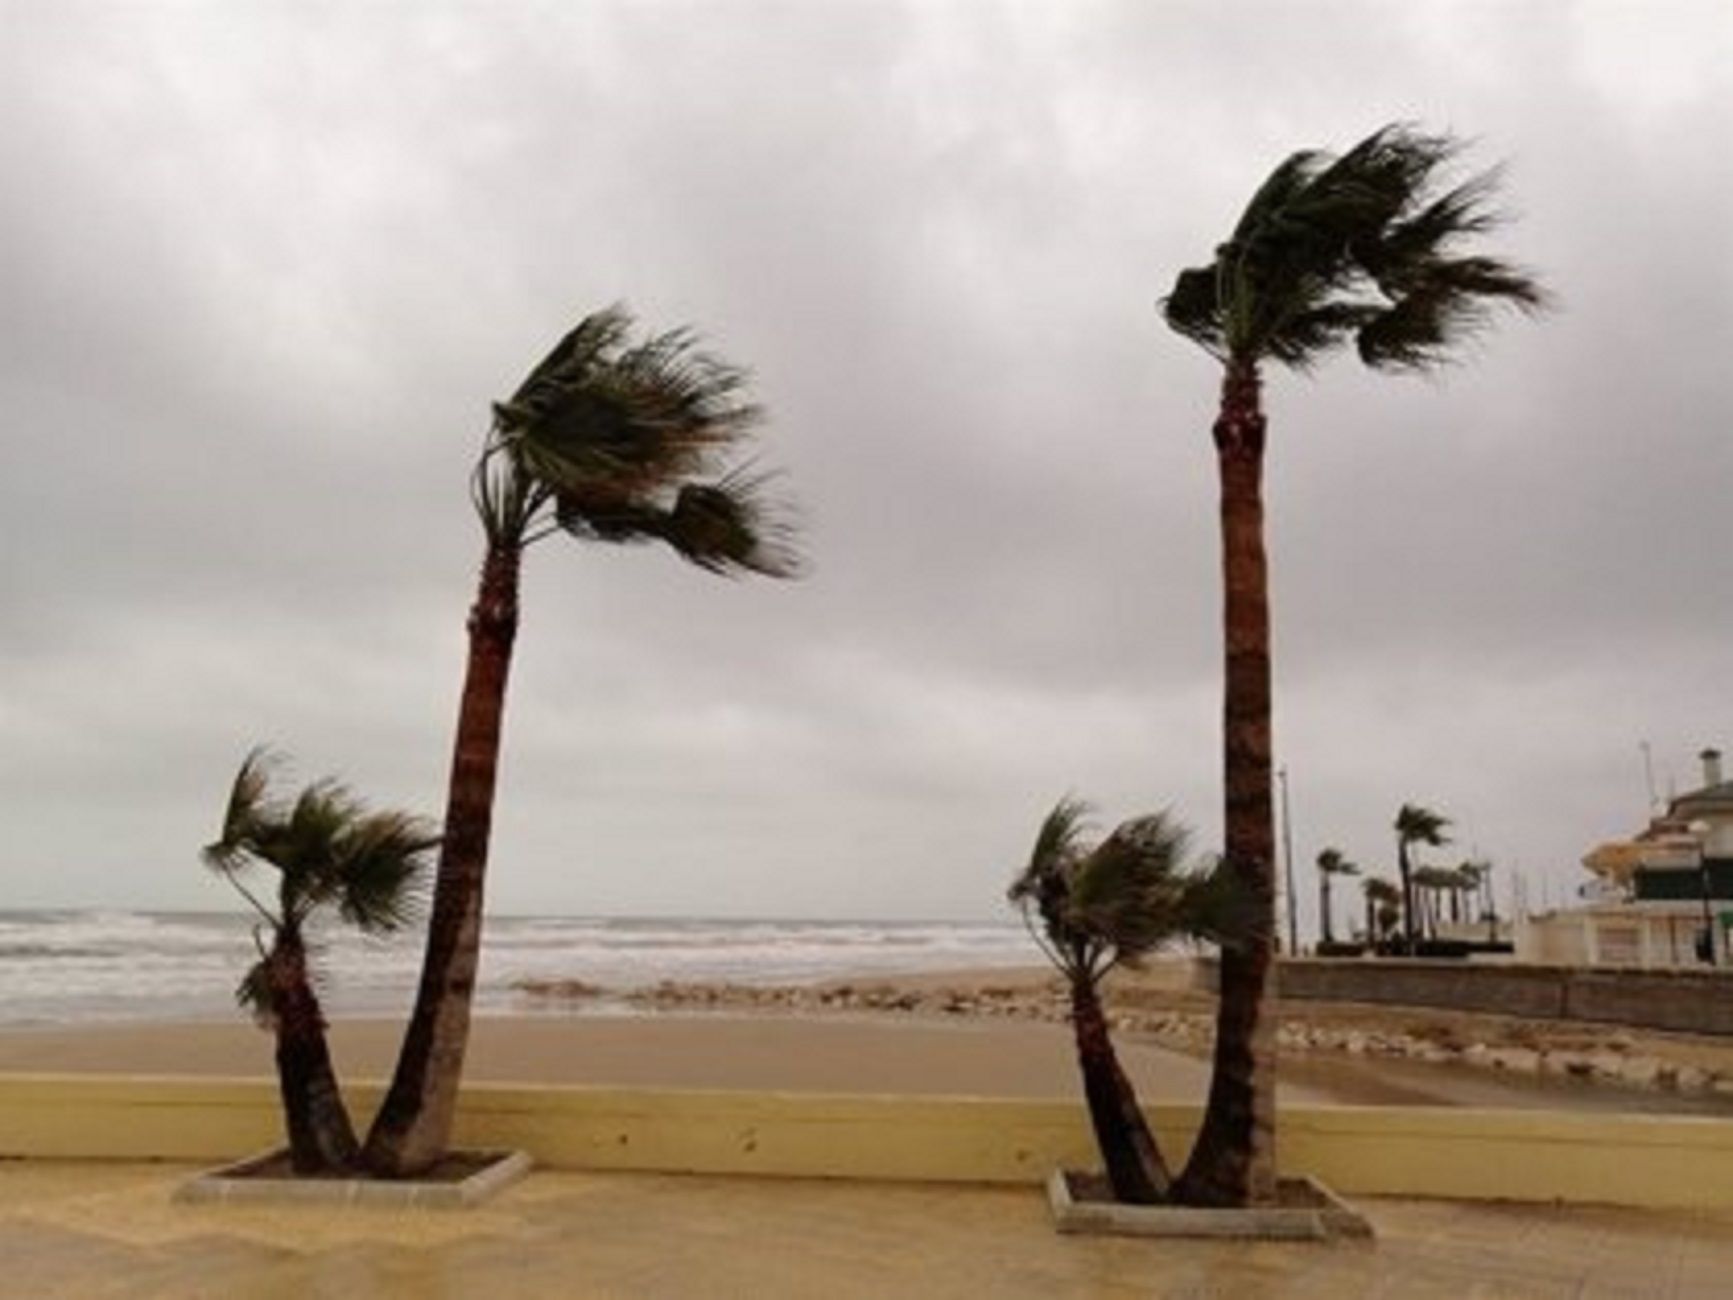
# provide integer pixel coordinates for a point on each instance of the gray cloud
(263, 268)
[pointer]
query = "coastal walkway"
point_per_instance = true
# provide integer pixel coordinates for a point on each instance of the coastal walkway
(109, 1230)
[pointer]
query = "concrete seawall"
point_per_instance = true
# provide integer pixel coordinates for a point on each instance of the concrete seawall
(1666, 1162)
(1692, 1002)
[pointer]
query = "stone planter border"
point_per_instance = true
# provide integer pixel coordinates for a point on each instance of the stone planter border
(239, 1183)
(1310, 1212)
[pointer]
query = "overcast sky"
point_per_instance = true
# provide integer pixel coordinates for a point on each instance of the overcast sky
(262, 269)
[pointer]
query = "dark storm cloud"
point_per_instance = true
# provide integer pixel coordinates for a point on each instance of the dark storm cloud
(262, 268)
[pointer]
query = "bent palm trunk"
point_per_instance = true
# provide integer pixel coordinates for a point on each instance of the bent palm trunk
(321, 1138)
(413, 1127)
(1233, 1160)
(1134, 1164)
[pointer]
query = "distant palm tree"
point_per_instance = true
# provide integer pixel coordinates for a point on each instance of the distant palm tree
(329, 852)
(1331, 863)
(1433, 886)
(1092, 909)
(1415, 825)
(1382, 899)
(607, 440)
(1362, 248)
(1476, 874)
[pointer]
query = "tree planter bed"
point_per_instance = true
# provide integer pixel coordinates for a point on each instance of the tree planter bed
(460, 1180)
(1308, 1211)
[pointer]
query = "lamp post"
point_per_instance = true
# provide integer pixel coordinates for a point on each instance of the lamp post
(1699, 831)
(1288, 858)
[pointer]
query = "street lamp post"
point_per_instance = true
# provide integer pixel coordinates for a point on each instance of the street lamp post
(1700, 832)
(1288, 858)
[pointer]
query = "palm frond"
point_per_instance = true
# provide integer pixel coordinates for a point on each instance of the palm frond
(1417, 825)
(253, 994)
(381, 870)
(733, 525)
(1380, 890)
(1194, 308)
(1332, 863)
(245, 811)
(1358, 248)
(1042, 890)
(1132, 890)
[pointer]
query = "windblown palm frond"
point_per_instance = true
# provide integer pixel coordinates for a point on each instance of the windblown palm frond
(613, 441)
(1360, 247)
(1332, 863)
(1132, 891)
(245, 814)
(1120, 900)
(1417, 825)
(327, 848)
(381, 870)
(1380, 890)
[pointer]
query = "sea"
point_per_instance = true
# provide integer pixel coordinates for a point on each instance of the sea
(93, 966)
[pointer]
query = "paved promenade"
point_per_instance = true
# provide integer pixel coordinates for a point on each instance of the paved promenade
(109, 1230)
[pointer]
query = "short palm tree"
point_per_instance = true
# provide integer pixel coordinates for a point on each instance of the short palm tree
(607, 440)
(1092, 909)
(1476, 876)
(1331, 863)
(1365, 248)
(1415, 825)
(330, 853)
(1382, 903)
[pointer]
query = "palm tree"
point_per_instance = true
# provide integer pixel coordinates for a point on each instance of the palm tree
(607, 440)
(1092, 909)
(329, 852)
(1381, 907)
(1476, 874)
(1432, 886)
(1366, 248)
(1415, 825)
(1331, 863)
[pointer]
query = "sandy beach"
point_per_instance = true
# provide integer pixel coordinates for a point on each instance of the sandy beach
(958, 1033)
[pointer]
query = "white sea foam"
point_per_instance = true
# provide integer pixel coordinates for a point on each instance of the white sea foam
(61, 967)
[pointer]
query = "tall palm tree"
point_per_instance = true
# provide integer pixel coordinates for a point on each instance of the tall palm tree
(607, 440)
(1415, 825)
(1094, 908)
(329, 852)
(1363, 248)
(1331, 863)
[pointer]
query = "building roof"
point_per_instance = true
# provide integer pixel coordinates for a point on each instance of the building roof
(1716, 796)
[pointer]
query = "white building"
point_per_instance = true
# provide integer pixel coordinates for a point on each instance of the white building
(1656, 895)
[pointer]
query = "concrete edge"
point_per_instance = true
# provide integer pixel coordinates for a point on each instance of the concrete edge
(1331, 1217)
(234, 1183)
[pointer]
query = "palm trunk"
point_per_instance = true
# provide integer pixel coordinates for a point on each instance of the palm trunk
(1371, 923)
(321, 1138)
(1134, 1164)
(413, 1127)
(1324, 905)
(1233, 1160)
(1407, 895)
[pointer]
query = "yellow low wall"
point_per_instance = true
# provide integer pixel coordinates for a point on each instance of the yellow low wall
(1634, 1160)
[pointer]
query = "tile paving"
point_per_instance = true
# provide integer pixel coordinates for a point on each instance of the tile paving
(110, 1230)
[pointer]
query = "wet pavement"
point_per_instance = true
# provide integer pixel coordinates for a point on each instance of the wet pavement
(110, 1230)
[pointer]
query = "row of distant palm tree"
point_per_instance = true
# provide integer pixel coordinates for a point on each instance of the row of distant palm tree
(1427, 892)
